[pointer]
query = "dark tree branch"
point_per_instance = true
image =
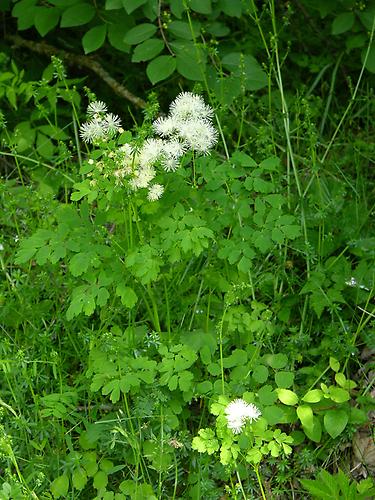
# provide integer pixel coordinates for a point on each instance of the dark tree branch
(78, 60)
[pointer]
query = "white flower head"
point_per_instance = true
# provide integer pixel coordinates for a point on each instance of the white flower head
(238, 411)
(96, 108)
(93, 130)
(155, 192)
(189, 106)
(165, 127)
(173, 149)
(127, 149)
(198, 135)
(150, 152)
(170, 164)
(112, 123)
(143, 177)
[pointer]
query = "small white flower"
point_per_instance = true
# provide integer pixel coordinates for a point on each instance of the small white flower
(351, 282)
(188, 106)
(96, 108)
(127, 149)
(170, 164)
(150, 151)
(92, 130)
(199, 135)
(165, 127)
(173, 149)
(238, 411)
(142, 178)
(354, 283)
(1, 247)
(112, 123)
(155, 192)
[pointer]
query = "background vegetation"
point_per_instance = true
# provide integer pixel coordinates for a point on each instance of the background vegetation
(127, 325)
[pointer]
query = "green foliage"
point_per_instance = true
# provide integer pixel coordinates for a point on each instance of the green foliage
(338, 486)
(129, 322)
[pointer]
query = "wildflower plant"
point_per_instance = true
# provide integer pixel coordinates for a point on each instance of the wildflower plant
(241, 434)
(134, 164)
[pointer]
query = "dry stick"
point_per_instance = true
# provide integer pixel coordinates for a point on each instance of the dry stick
(77, 60)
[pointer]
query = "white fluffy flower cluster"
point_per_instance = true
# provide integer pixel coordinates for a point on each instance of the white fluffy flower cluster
(238, 411)
(101, 126)
(189, 125)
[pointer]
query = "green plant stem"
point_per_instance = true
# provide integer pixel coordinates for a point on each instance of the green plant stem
(155, 315)
(319, 378)
(353, 97)
(256, 468)
(240, 483)
(221, 350)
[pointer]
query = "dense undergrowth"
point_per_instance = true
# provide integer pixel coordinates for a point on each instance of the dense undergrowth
(220, 248)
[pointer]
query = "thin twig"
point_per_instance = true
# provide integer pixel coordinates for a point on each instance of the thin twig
(78, 60)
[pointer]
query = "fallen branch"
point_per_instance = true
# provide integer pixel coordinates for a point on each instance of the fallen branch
(78, 60)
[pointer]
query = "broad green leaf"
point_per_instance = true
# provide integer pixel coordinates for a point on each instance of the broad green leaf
(46, 18)
(140, 33)
(214, 369)
(367, 15)
(204, 387)
(116, 37)
(276, 361)
(44, 146)
(271, 164)
(94, 38)
(335, 422)
(232, 8)
(185, 380)
(200, 6)
(334, 364)
(318, 489)
(147, 50)
(128, 296)
(338, 395)
(131, 5)
(246, 68)
(79, 478)
(89, 463)
(260, 374)
(305, 414)
(284, 379)
(342, 23)
(187, 62)
(370, 61)
(315, 432)
(160, 68)
(237, 358)
(113, 4)
(243, 159)
(205, 442)
(60, 486)
(340, 379)
(182, 29)
(79, 263)
(287, 397)
(266, 395)
(102, 297)
(77, 15)
(262, 186)
(254, 456)
(273, 414)
(313, 396)
(100, 480)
